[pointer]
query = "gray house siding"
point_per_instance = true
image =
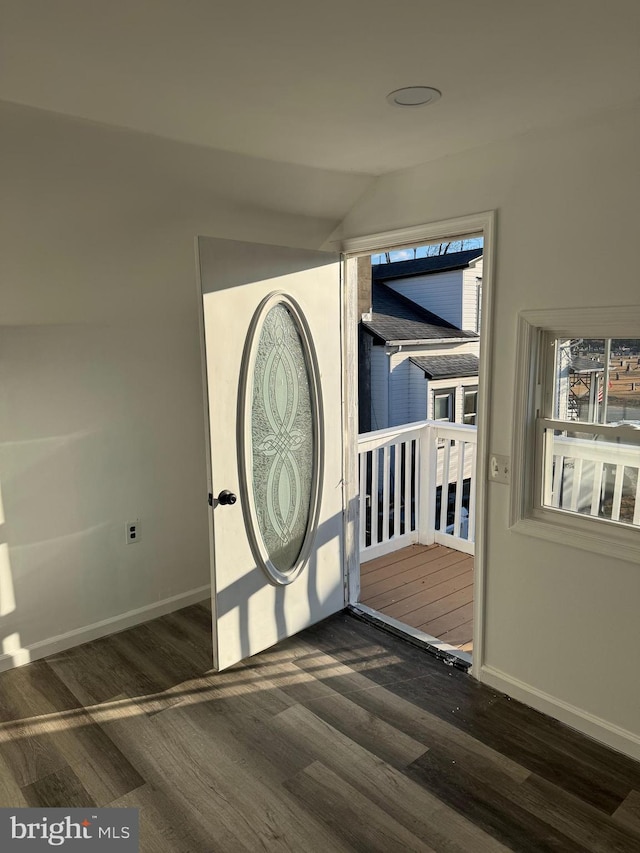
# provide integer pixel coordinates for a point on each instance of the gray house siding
(379, 387)
(440, 293)
(398, 391)
(417, 393)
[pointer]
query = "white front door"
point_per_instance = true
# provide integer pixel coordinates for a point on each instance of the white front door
(272, 331)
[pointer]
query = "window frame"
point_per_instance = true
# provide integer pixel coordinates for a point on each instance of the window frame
(450, 392)
(470, 389)
(532, 401)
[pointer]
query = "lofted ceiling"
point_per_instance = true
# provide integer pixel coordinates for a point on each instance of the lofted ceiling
(305, 83)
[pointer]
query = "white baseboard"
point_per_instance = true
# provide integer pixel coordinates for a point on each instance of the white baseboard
(595, 727)
(61, 642)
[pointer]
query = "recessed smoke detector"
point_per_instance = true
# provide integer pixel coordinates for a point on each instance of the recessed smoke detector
(413, 96)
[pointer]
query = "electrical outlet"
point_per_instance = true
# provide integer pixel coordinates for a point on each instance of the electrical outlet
(499, 468)
(132, 532)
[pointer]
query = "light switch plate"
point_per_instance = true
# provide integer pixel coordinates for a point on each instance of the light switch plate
(499, 468)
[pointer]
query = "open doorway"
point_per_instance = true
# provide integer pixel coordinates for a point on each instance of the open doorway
(422, 321)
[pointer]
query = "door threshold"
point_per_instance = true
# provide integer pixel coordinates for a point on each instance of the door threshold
(443, 651)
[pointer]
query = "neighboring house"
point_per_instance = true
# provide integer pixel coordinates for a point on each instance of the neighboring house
(420, 342)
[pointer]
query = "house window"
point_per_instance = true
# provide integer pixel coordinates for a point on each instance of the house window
(576, 455)
(470, 406)
(444, 408)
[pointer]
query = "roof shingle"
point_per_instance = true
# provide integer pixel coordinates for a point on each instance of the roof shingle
(447, 366)
(396, 318)
(419, 266)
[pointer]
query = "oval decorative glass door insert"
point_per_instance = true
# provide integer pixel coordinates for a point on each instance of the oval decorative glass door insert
(281, 447)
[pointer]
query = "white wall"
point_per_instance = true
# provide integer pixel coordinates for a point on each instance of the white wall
(562, 627)
(101, 413)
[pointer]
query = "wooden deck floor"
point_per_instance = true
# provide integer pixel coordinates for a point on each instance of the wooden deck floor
(428, 587)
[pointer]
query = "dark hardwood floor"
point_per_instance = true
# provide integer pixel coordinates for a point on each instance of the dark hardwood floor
(343, 738)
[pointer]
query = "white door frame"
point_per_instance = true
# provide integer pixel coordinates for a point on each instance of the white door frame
(464, 226)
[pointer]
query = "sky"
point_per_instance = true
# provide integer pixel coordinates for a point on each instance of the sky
(427, 251)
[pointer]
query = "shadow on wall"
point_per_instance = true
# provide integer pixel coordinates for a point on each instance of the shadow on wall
(86, 444)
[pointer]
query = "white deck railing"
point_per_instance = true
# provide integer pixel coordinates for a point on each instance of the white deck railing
(597, 478)
(417, 484)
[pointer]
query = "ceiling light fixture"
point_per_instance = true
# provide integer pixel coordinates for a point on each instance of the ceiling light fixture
(413, 96)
